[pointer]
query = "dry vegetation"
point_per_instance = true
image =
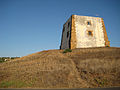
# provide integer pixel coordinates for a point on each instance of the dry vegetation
(81, 68)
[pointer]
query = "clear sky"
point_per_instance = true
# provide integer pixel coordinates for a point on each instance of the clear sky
(29, 26)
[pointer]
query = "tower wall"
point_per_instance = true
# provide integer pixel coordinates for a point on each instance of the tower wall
(107, 42)
(66, 34)
(73, 40)
(85, 25)
(84, 32)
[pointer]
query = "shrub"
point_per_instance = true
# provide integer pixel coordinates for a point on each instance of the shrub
(100, 82)
(107, 46)
(67, 50)
(2, 61)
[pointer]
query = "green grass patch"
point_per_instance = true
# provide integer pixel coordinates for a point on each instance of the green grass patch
(67, 50)
(16, 84)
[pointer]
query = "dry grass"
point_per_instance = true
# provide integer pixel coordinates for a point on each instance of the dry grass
(81, 68)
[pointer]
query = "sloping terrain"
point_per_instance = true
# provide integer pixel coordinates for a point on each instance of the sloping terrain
(81, 68)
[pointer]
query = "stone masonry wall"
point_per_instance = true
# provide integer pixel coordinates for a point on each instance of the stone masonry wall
(85, 40)
(73, 34)
(65, 42)
(84, 32)
(107, 43)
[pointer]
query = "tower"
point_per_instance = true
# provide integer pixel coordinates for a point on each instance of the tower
(84, 32)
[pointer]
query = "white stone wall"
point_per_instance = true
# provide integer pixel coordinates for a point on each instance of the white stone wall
(65, 40)
(83, 39)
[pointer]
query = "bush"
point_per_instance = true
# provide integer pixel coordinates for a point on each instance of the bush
(107, 46)
(67, 50)
(100, 82)
(2, 61)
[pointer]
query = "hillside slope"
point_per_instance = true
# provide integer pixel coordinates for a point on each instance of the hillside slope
(81, 68)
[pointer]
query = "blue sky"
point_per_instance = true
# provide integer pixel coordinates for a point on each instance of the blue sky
(29, 26)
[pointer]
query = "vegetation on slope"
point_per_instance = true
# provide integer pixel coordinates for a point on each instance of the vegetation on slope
(4, 59)
(81, 68)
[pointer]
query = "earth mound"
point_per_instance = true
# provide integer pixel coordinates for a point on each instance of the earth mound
(81, 68)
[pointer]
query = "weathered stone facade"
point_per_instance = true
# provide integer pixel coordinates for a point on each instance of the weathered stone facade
(84, 32)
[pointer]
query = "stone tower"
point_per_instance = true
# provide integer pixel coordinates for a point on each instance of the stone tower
(84, 32)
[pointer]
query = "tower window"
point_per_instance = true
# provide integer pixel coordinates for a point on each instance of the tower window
(63, 29)
(88, 23)
(68, 24)
(90, 33)
(67, 34)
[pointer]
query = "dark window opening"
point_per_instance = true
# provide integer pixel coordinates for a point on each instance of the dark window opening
(90, 33)
(67, 34)
(63, 29)
(88, 23)
(69, 24)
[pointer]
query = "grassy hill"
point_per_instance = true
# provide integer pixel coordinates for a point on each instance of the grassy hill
(81, 68)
